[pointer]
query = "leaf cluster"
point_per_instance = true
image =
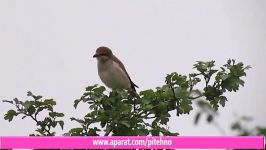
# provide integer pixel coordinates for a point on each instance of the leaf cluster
(32, 109)
(122, 112)
(227, 79)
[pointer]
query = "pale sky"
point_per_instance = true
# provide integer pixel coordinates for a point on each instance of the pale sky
(47, 47)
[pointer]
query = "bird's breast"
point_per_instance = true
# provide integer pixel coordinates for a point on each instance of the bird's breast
(113, 76)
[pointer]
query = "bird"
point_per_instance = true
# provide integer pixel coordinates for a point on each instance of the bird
(111, 70)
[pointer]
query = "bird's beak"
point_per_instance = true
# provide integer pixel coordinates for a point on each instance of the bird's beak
(95, 55)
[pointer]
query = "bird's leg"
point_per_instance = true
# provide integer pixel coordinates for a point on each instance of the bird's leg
(135, 98)
(134, 105)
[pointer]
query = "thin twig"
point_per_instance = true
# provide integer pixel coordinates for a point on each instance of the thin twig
(192, 98)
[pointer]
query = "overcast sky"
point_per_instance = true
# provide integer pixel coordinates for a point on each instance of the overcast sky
(47, 47)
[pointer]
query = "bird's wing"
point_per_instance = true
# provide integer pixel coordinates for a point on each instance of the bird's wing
(133, 85)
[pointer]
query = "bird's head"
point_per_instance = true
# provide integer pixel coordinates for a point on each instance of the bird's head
(103, 54)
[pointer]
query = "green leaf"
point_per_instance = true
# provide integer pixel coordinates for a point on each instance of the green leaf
(59, 114)
(229, 61)
(77, 120)
(37, 97)
(147, 93)
(56, 114)
(49, 107)
(52, 114)
(123, 130)
(53, 124)
(164, 119)
(29, 93)
(211, 92)
(10, 114)
(147, 107)
(155, 132)
(102, 117)
(49, 102)
(185, 106)
(93, 131)
(61, 123)
(125, 123)
(222, 100)
(261, 131)
(90, 88)
(167, 133)
(27, 104)
(181, 93)
(142, 132)
(76, 102)
(31, 110)
(76, 132)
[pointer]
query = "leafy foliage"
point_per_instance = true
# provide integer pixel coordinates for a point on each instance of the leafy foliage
(32, 108)
(228, 78)
(240, 126)
(127, 113)
(122, 112)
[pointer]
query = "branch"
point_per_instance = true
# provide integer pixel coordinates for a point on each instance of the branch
(173, 91)
(192, 98)
(32, 117)
(108, 131)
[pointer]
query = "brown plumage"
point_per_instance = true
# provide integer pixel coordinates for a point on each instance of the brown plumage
(106, 59)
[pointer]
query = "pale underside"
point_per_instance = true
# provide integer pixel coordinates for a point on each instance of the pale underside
(113, 76)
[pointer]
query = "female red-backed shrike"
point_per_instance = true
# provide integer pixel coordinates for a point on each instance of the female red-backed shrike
(112, 71)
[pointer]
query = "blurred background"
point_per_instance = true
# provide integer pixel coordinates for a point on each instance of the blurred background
(47, 47)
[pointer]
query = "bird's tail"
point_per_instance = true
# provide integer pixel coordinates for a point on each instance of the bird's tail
(133, 85)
